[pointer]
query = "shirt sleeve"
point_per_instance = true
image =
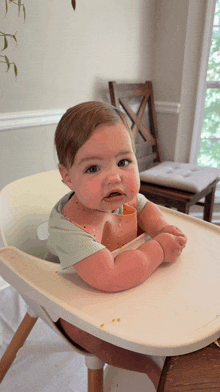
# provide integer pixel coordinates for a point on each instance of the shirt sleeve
(69, 242)
(72, 246)
(142, 201)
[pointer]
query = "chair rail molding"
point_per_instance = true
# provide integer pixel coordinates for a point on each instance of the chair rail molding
(167, 107)
(9, 121)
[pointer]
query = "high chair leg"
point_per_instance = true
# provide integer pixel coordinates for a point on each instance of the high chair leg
(17, 342)
(95, 380)
(95, 373)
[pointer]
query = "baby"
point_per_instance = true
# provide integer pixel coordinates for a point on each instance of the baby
(103, 212)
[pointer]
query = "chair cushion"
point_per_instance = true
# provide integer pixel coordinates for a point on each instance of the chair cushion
(185, 176)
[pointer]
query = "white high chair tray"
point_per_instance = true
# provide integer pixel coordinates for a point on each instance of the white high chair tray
(175, 311)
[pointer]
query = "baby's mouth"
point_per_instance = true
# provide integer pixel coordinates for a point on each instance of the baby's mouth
(113, 194)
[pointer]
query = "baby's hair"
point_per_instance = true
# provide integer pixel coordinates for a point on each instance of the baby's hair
(77, 125)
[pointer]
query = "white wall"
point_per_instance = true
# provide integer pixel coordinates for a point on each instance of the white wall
(63, 58)
(170, 34)
(190, 78)
(66, 57)
(25, 152)
(177, 49)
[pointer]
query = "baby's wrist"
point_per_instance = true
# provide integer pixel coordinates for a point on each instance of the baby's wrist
(161, 230)
(155, 250)
(161, 248)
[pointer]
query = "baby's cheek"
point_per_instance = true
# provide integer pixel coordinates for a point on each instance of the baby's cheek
(133, 190)
(91, 192)
(134, 182)
(90, 186)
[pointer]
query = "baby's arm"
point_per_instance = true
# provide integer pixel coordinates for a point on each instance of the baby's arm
(171, 238)
(152, 221)
(128, 269)
(131, 267)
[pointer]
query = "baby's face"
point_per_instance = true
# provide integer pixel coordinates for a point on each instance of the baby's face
(105, 174)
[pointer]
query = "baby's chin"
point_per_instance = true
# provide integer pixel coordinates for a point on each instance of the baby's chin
(109, 207)
(111, 204)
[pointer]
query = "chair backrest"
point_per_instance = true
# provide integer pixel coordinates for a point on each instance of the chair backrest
(143, 122)
(24, 205)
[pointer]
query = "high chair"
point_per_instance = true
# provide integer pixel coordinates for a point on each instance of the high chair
(25, 205)
(50, 295)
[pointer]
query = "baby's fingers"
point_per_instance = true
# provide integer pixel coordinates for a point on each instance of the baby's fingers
(181, 240)
(172, 230)
(180, 233)
(177, 230)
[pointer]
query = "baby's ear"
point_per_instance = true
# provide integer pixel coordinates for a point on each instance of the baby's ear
(64, 173)
(66, 177)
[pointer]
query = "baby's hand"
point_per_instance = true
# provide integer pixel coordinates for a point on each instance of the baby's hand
(173, 230)
(172, 245)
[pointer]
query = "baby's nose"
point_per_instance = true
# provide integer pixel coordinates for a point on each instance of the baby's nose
(113, 177)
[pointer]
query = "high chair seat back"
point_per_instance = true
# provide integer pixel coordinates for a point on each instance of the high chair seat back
(24, 205)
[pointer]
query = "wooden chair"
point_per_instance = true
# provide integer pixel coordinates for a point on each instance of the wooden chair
(165, 188)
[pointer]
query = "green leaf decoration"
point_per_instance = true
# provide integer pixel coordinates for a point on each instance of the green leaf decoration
(6, 7)
(24, 11)
(7, 62)
(13, 36)
(15, 70)
(73, 4)
(5, 59)
(5, 43)
(19, 7)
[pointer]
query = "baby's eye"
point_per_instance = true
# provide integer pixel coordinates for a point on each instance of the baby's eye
(124, 162)
(92, 169)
